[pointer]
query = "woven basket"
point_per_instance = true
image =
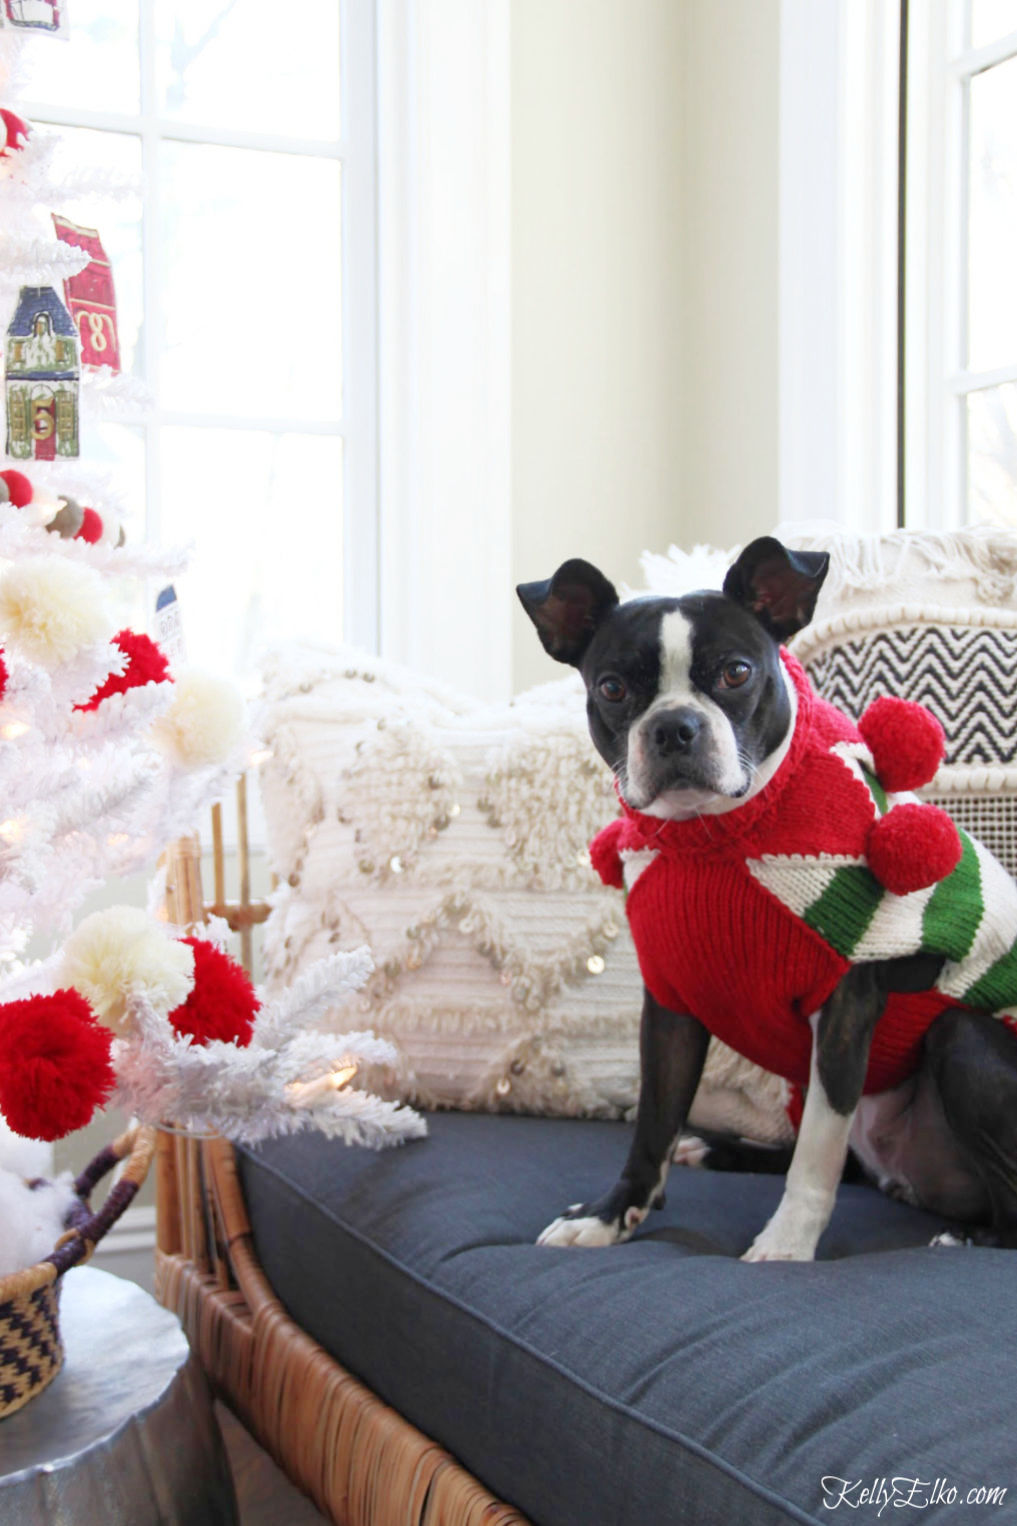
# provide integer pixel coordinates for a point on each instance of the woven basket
(31, 1353)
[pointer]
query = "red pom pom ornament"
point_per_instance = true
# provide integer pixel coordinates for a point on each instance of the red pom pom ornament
(19, 489)
(906, 742)
(222, 1003)
(146, 664)
(913, 846)
(55, 1066)
(91, 527)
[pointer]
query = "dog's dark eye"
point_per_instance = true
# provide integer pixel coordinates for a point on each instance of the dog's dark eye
(612, 689)
(734, 674)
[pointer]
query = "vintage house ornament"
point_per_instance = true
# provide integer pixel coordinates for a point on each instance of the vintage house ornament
(43, 374)
(46, 16)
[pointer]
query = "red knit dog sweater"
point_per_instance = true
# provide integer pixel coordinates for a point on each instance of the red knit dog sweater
(748, 920)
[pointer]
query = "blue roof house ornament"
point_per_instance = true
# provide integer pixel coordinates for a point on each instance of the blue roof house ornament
(43, 375)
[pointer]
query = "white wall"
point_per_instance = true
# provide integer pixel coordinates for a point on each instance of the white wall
(729, 314)
(596, 252)
(579, 221)
(644, 236)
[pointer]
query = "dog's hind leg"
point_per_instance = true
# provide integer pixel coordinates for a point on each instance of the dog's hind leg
(972, 1059)
(672, 1054)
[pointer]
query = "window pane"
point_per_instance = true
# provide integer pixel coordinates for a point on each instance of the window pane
(119, 451)
(992, 455)
(252, 298)
(253, 503)
(96, 67)
(992, 19)
(992, 228)
(117, 220)
(254, 65)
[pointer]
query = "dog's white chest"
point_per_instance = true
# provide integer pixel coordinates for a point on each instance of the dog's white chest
(637, 862)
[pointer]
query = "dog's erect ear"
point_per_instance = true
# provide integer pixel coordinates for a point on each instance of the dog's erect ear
(568, 608)
(778, 586)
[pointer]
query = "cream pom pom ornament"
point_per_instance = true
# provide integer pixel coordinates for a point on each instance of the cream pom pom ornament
(51, 610)
(205, 723)
(122, 953)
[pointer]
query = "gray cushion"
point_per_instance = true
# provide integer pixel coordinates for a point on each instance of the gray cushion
(655, 1382)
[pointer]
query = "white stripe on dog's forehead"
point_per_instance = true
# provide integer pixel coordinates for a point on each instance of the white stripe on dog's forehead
(675, 652)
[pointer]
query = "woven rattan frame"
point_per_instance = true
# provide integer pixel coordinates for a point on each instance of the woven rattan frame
(358, 1459)
(31, 1352)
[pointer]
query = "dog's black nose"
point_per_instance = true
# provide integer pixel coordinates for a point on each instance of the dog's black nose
(675, 730)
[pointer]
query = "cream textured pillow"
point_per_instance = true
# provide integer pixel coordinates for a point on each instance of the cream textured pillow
(451, 837)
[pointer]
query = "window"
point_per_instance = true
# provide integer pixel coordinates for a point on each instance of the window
(961, 243)
(245, 287)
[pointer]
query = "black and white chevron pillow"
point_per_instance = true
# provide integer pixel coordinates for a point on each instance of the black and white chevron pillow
(966, 675)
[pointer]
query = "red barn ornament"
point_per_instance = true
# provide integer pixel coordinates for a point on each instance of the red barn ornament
(90, 297)
(43, 374)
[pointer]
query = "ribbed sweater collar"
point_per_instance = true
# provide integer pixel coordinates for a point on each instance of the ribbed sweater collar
(721, 833)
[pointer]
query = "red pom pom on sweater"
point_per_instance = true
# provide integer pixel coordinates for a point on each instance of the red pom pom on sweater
(913, 846)
(146, 664)
(222, 1003)
(3, 674)
(55, 1067)
(18, 487)
(906, 742)
(605, 854)
(91, 527)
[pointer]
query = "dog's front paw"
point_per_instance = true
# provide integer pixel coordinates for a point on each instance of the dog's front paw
(775, 1248)
(791, 1235)
(581, 1230)
(581, 1225)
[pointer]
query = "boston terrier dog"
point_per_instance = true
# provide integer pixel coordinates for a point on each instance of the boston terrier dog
(876, 982)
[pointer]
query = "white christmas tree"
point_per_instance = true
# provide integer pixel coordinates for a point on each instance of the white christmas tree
(107, 754)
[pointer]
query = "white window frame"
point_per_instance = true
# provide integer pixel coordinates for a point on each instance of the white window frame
(938, 382)
(445, 343)
(356, 152)
(426, 331)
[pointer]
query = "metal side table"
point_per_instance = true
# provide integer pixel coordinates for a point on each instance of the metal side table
(125, 1435)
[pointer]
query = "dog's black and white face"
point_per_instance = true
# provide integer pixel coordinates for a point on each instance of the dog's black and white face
(687, 698)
